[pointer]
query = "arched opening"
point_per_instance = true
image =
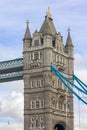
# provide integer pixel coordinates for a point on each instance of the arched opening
(59, 127)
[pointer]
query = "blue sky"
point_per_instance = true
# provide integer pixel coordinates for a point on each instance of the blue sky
(13, 17)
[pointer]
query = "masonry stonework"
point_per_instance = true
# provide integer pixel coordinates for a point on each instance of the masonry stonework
(48, 105)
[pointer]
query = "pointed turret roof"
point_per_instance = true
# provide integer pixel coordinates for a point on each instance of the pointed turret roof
(69, 40)
(27, 35)
(48, 26)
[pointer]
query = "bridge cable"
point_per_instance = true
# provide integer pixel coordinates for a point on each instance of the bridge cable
(79, 82)
(64, 80)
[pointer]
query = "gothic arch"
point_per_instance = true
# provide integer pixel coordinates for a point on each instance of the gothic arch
(59, 126)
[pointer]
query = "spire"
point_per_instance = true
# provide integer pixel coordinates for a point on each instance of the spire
(69, 40)
(27, 35)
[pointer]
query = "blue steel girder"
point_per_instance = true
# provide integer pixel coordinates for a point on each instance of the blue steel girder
(11, 70)
(11, 76)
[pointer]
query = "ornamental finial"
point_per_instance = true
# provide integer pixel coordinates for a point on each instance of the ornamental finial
(27, 22)
(48, 14)
(69, 29)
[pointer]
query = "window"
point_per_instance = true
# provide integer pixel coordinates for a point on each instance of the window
(42, 83)
(57, 47)
(33, 104)
(41, 124)
(32, 125)
(59, 84)
(64, 107)
(36, 56)
(64, 61)
(36, 42)
(60, 105)
(37, 104)
(36, 123)
(55, 57)
(38, 83)
(40, 55)
(32, 56)
(53, 83)
(42, 104)
(63, 87)
(41, 119)
(32, 122)
(41, 41)
(61, 59)
(53, 43)
(32, 119)
(32, 84)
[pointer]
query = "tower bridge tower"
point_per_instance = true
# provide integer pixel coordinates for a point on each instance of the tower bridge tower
(48, 105)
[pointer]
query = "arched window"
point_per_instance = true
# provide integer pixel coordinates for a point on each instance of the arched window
(36, 55)
(36, 42)
(59, 127)
(60, 105)
(59, 84)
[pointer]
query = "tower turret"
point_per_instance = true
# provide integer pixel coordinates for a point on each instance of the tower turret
(27, 38)
(69, 44)
(69, 47)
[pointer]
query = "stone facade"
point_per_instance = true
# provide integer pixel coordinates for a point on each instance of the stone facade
(48, 105)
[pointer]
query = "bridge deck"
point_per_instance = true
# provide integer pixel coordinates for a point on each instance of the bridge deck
(11, 70)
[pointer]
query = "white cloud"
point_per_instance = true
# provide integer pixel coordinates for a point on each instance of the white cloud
(11, 127)
(12, 106)
(80, 121)
(13, 18)
(10, 52)
(81, 62)
(8, 87)
(80, 110)
(81, 74)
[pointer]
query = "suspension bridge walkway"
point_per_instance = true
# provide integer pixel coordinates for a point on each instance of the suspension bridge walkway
(11, 70)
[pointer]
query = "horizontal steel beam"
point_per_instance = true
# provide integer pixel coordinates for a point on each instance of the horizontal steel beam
(11, 76)
(14, 65)
(11, 70)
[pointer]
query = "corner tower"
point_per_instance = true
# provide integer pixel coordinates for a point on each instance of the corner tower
(48, 105)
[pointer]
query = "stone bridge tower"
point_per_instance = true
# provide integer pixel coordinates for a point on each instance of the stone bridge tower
(48, 105)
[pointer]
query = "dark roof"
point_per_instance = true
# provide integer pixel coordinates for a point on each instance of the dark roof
(48, 27)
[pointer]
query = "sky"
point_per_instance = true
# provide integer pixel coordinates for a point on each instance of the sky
(13, 17)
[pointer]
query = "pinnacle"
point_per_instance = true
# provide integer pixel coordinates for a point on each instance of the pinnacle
(27, 35)
(69, 40)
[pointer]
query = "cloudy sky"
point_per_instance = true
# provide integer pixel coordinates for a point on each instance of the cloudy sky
(13, 17)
